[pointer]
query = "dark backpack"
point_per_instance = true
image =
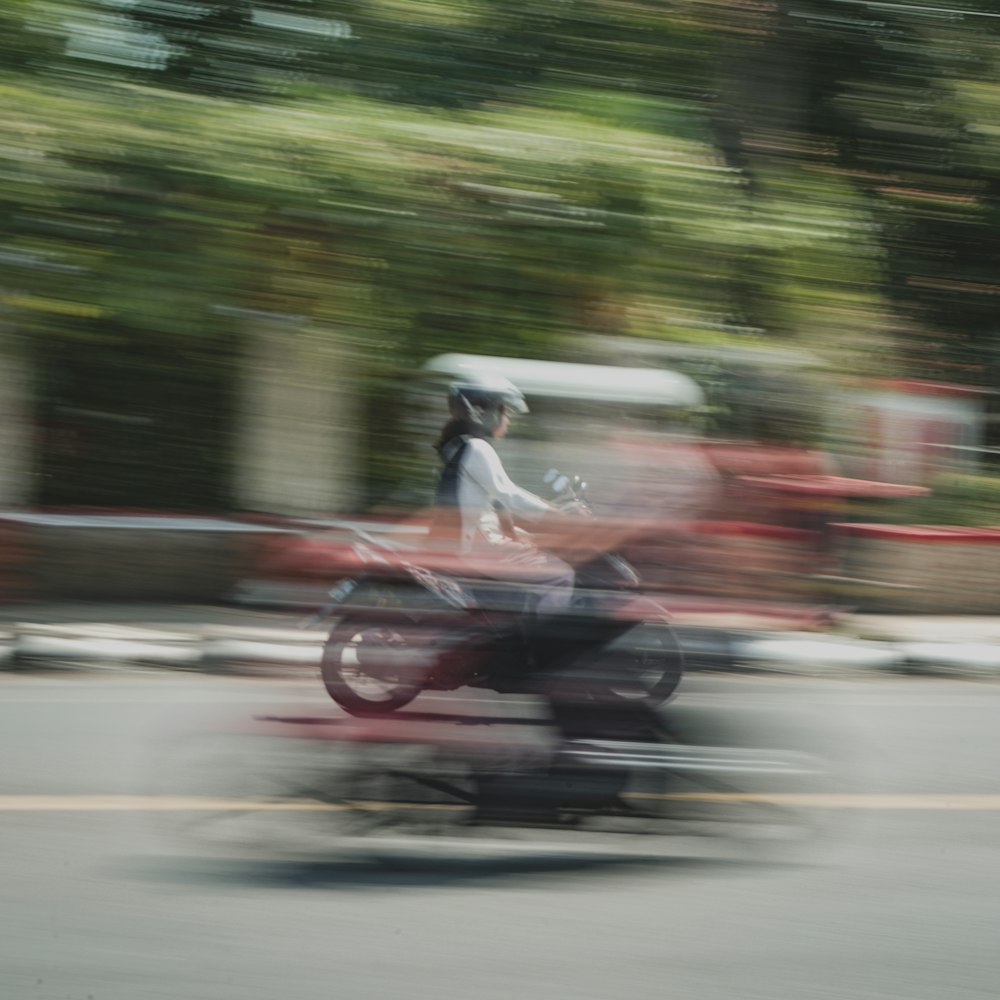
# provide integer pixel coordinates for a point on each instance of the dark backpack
(446, 523)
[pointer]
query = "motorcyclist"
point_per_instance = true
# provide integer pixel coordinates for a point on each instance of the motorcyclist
(474, 484)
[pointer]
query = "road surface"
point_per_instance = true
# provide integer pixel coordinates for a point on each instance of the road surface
(899, 901)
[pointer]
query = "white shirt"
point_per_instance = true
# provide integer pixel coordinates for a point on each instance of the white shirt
(482, 480)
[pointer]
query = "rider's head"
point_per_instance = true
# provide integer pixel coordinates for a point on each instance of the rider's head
(484, 401)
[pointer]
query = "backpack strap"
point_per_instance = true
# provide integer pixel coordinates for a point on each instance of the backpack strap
(453, 448)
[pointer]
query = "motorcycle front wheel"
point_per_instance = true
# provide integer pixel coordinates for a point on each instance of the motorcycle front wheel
(644, 665)
(370, 668)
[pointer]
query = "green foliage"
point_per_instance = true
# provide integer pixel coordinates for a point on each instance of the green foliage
(955, 499)
(502, 176)
(24, 47)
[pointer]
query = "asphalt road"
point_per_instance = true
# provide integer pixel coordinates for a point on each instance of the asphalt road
(899, 898)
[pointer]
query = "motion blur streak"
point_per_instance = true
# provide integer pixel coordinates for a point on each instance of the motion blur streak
(121, 803)
(739, 258)
(238, 224)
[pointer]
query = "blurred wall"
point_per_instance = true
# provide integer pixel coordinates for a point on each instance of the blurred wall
(297, 431)
(16, 422)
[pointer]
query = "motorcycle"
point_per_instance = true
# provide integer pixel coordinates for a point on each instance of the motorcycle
(602, 764)
(411, 623)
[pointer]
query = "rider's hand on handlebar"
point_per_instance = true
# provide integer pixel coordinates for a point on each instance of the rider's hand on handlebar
(574, 508)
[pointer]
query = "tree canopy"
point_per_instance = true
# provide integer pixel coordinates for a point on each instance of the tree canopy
(415, 176)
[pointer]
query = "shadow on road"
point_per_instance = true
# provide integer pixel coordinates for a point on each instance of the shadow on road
(374, 875)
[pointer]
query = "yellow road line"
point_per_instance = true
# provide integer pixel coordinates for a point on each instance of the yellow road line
(151, 803)
(167, 803)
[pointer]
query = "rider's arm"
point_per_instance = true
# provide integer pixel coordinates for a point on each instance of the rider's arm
(483, 466)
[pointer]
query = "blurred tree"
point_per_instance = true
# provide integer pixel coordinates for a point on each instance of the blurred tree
(415, 176)
(868, 90)
(243, 48)
(24, 46)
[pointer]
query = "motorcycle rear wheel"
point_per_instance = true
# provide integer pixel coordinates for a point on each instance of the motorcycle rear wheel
(354, 668)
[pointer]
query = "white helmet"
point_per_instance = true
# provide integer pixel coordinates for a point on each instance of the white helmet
(484, 399)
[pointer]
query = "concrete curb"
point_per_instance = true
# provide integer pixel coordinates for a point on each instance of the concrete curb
(89, 644)
(235, 649)
(228, 649)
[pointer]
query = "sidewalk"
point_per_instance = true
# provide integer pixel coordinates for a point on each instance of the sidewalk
(220, 638)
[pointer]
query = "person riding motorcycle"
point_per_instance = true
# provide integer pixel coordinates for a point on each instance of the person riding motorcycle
(474, 483)
(544, 627)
